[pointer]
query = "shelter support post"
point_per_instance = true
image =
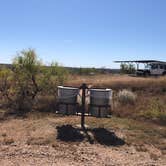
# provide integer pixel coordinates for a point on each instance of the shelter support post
(83, 87)
(137, 66)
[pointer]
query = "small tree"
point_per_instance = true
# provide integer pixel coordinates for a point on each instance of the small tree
(28, 79)
(127, 69)
(32, 78)
(131, 69)
(26, 67)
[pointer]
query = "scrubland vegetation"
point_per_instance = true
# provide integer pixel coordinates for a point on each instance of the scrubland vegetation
(29, 125)
(133, 97)
(24, 84)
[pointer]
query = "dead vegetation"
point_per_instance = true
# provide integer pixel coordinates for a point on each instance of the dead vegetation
(119, 82)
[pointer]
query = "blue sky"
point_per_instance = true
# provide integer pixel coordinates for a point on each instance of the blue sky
(84, 32)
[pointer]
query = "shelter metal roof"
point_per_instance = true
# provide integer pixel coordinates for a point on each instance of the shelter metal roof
(141, 61)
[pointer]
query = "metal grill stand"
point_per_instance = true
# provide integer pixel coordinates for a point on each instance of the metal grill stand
(83, 87)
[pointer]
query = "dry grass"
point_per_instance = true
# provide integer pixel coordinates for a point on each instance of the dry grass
(36, 134)
(117, 82)
(151, 94)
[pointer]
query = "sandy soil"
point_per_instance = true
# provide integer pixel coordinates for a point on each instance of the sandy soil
(81, 154)
(33, 142)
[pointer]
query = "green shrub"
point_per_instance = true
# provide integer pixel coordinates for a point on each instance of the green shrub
(27, 79)
(156, 110)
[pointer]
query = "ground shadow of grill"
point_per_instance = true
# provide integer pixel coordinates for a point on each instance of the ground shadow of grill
(105, 137)
(68, 133)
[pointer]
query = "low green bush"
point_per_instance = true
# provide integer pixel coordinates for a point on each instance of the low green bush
(156, 110)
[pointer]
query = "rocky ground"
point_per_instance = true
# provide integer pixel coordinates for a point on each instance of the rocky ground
(80, 154)
(32, 141)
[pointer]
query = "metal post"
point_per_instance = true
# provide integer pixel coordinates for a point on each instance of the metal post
(83, 87)
(137, 66)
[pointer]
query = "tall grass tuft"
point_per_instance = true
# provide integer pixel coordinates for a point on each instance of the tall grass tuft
(126, 97)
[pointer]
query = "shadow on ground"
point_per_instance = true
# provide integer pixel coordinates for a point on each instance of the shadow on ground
(105, 137)
(69, 133)
(102, 136)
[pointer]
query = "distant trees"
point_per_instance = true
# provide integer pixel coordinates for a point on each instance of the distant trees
(86, 71)
(127, 68)
(28, 78)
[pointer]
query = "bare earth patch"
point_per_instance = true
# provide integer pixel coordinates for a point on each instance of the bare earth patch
(32, 141)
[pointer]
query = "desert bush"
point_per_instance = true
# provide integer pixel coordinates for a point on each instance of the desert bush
(29, 78)
(5, 85)
(156, 110)
(45, 103)
(25, 70)
(126, 97)
(51, 77)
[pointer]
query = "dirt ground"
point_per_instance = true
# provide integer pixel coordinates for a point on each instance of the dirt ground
(33, 141)
(81, 154)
